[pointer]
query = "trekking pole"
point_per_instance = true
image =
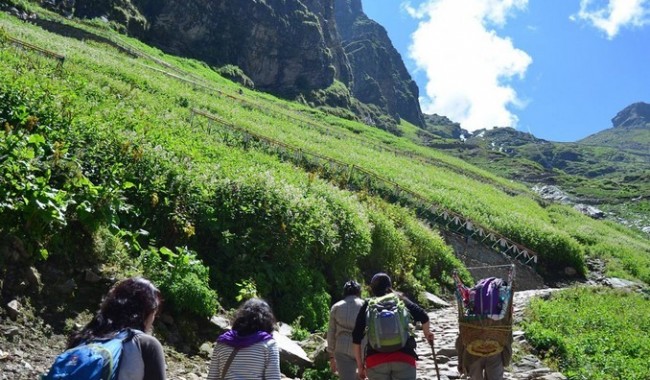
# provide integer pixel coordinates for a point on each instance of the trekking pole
(435, 359)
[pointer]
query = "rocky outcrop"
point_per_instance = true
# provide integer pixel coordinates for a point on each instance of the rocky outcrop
(289, 48)
(285, 47)
(630, 131)
(633, 116)
(380, 77)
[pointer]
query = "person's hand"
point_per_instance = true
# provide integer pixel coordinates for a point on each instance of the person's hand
(428, 335)
(332, 364)
(361, 371)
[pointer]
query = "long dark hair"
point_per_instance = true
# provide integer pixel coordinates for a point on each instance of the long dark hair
(127, 305)
(252, 316)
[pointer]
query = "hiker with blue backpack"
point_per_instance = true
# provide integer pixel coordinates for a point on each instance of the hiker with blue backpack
(384, 319)
(343, 316)
(117, 343)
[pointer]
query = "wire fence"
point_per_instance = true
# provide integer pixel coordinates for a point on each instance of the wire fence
(355, 178)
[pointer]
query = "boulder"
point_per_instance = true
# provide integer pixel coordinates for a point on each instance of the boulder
(291, 352)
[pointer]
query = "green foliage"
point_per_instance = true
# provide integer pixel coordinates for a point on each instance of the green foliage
(413, 254)
(182, 279)
(235, 74)
(134, 162)
(593, 333)
(298, 332)
(43, 188)
(247, 290)
(319, 374)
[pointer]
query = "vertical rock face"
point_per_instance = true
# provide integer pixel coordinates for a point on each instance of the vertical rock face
(287, 47)
(380, 76)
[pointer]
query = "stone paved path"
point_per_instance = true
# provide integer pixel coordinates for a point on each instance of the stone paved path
(445, 327)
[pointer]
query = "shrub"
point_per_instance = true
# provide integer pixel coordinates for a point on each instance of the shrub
(182, 279)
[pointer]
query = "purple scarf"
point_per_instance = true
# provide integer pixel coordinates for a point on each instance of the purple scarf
(232, 339)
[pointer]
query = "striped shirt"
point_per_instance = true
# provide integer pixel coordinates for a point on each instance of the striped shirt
(258, 361)
(343, 316)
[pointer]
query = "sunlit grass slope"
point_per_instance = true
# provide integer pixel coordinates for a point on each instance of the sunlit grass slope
(125, 124)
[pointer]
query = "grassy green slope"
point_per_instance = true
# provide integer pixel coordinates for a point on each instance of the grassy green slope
(255, 216)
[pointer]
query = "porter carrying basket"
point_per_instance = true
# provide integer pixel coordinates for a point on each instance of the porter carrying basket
(485, 331)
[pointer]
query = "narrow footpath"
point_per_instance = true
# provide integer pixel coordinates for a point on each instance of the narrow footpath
(445, 327)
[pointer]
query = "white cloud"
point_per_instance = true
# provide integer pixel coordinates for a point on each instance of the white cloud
(616, 15)
(468, 66)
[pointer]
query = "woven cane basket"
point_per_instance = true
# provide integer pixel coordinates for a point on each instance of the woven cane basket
(482, 336)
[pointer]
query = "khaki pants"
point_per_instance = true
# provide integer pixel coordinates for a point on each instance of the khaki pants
(346, 366)
(486, 368)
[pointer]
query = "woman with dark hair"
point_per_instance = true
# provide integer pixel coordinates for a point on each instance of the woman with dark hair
(343, 315)
(399, 364)
(248, 350)
(132, 305)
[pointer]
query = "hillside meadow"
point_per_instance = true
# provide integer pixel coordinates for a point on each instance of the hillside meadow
(106, 160)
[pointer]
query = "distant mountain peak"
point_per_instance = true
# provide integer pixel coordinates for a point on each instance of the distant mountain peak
(635, 115)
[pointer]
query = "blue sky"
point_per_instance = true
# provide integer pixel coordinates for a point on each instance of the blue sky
(559, 69)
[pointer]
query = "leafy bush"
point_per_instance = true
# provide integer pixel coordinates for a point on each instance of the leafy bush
(182, 279)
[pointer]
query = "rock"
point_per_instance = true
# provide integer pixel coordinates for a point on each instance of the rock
(34, 277)
(68, 287)
(590, 211)
(619, 283)
(380, 76)
(636, 115)
(13, 309)
(435, 300)
(291, 352)
(285, 329)
(92, 277)
(317, 348)
(551, 192)
(221, 322)
(206, 350)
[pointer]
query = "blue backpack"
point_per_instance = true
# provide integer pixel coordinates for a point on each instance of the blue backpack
(95, 360)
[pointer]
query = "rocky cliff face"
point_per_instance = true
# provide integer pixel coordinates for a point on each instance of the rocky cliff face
(286, 47)
(380, 77)
(633, 116)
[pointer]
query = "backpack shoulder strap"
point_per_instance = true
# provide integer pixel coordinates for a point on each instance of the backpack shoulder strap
(226, 366)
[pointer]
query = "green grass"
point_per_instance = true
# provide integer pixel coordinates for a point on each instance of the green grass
(593, 333)
(158, 174)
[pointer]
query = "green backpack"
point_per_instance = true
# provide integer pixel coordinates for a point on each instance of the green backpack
(387, 321)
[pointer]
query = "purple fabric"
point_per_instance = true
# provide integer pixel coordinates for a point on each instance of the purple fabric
(232, 339)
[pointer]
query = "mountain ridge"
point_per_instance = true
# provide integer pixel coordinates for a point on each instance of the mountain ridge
(291, 49)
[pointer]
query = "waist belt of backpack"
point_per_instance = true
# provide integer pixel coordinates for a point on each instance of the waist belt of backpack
(229, 362)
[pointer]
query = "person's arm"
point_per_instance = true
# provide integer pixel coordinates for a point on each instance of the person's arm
(214, 370)
(272, 370)
(153, 358)
(420, 315)
(331, 339)
(357, 337)
(361, 369)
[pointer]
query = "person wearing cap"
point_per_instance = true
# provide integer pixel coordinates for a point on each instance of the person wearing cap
(343, 316)
(387, 365)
